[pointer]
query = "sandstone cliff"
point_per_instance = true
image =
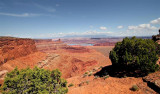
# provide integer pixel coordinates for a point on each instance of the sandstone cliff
(11, 48)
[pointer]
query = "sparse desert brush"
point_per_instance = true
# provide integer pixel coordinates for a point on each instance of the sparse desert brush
(105, 77)
(81, 83)
(134, 88)
(90, 74)
(86, 73)
(133, 54)
(95, 69)
(70, 85)
(100, 67)
(125, 76)
(95, 77)
(87, 82)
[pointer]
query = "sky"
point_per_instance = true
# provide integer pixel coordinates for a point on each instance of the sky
(59, 18)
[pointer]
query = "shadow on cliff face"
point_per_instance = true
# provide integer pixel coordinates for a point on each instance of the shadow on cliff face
(117, 72)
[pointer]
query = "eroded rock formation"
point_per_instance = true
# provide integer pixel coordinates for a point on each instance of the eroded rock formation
(11, 48)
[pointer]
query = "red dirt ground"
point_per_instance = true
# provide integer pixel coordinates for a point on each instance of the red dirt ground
(108, 86)
(24, 62)
(73, 62)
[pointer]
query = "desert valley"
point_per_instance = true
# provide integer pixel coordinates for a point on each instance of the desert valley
(79, 47)
(79, 60)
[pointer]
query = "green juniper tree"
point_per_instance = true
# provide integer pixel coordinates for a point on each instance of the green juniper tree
(34, 81)
(133, 54)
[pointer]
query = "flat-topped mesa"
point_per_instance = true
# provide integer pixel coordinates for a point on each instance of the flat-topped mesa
(11, 48)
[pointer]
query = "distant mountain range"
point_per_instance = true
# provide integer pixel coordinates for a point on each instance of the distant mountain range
(104, 36)
(96, 36)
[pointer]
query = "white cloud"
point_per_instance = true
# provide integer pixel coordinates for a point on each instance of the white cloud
(153, 28)
(142, 27)
(20, 15)
(103, 28)
(156, 21)
(141, 30)
(120, 27)
(132, 27)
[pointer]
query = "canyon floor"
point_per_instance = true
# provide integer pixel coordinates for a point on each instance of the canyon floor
(78, 65)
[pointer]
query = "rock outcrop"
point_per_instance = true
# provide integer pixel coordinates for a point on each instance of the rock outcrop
(11, 48)
(2, 75)
(49, 45)
(153, 81)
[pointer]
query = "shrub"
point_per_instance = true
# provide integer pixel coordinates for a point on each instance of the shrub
(95, 77)
(90, 74)
(94, 70)
(125, 76)
(100, 67)
(34, 81)
(86, 73)
(70, 85)
(134, 88)
(87, 82)
(105, 77)
(81, 84)
(133, 54)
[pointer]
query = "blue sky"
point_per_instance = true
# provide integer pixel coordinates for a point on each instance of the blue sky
(58, 18)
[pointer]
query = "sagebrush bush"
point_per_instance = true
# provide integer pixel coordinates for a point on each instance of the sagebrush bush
(134, 88)
(70, 85)
(133, 54)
